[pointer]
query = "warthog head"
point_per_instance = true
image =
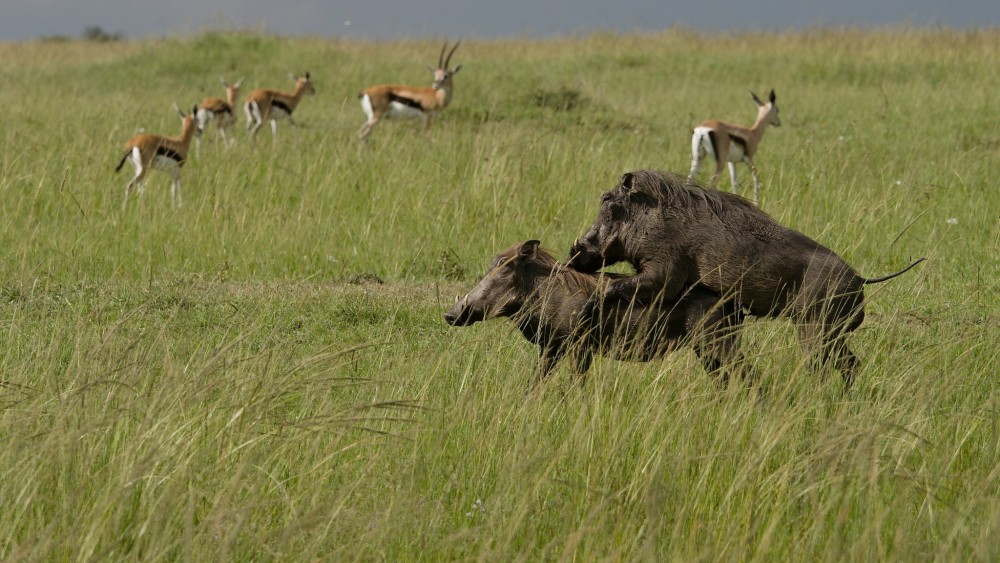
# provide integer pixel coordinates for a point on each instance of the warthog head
(512, 277)
(604, 243)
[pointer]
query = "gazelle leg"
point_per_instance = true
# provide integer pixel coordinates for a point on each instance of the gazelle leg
(696, 155)
(249, 112)
(732, 176)
(136, 181)
(695, 162)
(366, 129)
(175, 189)
(718, 172)
(274, 130)
(756, 181)
(128, 190)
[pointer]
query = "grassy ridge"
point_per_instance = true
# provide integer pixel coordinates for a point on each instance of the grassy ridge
(264, 373)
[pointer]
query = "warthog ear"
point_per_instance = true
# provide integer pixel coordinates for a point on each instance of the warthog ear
(528, 249)
(627, 181)
(771, 97)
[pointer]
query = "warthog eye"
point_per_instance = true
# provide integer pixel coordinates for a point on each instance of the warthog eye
(606, 197)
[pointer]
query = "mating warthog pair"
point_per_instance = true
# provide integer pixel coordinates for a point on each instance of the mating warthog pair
(544, 299)
(678, 235)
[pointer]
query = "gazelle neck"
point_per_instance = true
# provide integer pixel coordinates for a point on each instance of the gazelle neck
(300, 89)
(760, 125)
(187, 132)
(443, 95)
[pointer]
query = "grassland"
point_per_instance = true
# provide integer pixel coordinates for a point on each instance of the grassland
(264, 374)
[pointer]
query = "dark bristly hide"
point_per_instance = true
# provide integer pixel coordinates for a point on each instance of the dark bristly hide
(543, 298)
(677, 235)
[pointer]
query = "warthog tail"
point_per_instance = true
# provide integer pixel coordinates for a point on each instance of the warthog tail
(890, 276)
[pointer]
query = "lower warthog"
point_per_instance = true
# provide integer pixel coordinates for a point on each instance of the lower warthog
(676, 235)
(543, 298)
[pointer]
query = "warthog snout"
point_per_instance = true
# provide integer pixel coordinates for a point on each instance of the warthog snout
(462, 314)
(584, 256)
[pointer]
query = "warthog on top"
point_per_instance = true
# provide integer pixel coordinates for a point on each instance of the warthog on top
(677, 235)
(543, 297)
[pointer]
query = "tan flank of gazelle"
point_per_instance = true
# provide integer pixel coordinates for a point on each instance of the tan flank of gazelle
(271, 105)
(220, 112)
(733, 142)
(159, 152)
(388, 101)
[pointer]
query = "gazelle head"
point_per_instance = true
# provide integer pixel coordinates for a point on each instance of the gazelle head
(443, 74)
(188, 120)
(767, 113)
(232, 90)
(304, 84)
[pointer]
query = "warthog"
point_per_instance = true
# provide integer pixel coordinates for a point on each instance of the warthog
(677, 235)
(543, 298)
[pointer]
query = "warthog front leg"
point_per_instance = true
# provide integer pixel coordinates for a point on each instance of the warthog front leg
(644, 288)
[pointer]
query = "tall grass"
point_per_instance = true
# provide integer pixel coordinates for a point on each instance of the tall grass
(264, 373)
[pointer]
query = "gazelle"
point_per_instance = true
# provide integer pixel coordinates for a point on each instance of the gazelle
(219, 112)
(395, 101)
(730, 143)
(159, 152)
(262, 105)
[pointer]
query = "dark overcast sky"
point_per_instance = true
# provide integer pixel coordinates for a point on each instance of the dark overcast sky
(387, 19)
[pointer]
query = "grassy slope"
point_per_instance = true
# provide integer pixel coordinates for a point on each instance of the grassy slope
(227, 381)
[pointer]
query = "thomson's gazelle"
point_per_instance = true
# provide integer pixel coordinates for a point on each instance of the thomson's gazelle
(393, 101)
(219, 112)
(270, 105)
(730, 143)
(161, 153)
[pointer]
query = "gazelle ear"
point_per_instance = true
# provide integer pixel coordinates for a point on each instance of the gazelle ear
(307, 75)
(239, 82)
(528, 249)
(194, 109)
(756, 100)
(178, 110)
(457, 68)
(771, 97)
(223, 81)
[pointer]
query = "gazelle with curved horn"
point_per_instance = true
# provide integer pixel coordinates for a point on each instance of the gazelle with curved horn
(728, 143)
(161, 153)
(387, 101)
(219, 111)
(271, 105)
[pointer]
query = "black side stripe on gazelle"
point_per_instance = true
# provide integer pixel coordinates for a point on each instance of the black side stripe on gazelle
(739, 141)
(170, 153)
(405, 101)
(282, 106)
